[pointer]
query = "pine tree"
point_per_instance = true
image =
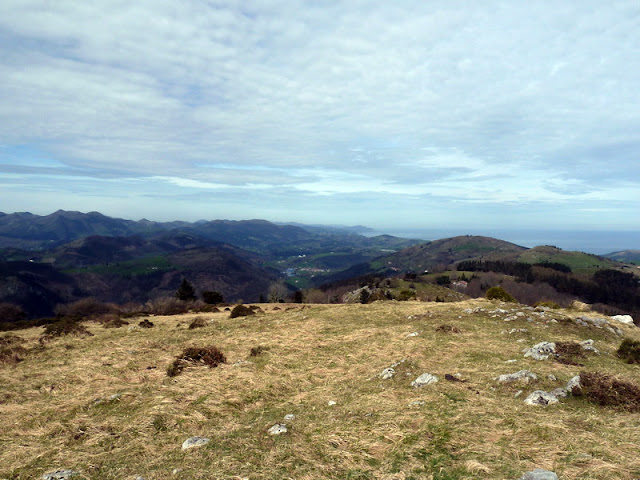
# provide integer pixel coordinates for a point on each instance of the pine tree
(186, 292)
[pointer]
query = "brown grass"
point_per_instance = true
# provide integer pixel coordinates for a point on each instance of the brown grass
(209, 356)
(50, 419)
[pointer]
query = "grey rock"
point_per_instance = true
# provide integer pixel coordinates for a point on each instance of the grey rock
(412, 334)
(289, 417)
(331, 403)
(573, 386)
(523, 375)
(416, 403)
(59, 475)
(424, 379)
(626, 319)
(193, 442)
(539, 474)
(588, 346)
(559, 393)
(540, 397)
(517, 394)
(518, 330)
(387, 373)
(540, 351)
(277, 429)
(552, 377)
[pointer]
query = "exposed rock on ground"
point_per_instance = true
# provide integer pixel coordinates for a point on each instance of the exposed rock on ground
(59, 475)
(542, 398)
(193, 442)
(539, 474)
(424, 379)
(524, 376)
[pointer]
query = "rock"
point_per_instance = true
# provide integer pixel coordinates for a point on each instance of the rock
(517, 394)
(573, 386)
(412, 334)
(424, 379)
(278, 429)
(331, 403)
(539, 474)
(552, 377)
(540, 397)
(559, 393)
(59, 475)
(140, 478)
(387, 373)
(289, 417)
(626, 319)
(518, 330)
(541, 351)
(588, 346)
(416, 403)
(193, 442)
(525, 375)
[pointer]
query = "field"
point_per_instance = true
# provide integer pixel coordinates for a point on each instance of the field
(104, 407)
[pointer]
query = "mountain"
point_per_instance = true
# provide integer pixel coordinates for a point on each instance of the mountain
(626, 256)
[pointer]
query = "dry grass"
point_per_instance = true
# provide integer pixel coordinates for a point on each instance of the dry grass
(50, 417)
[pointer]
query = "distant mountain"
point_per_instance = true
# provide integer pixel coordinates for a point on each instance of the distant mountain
(627, 256)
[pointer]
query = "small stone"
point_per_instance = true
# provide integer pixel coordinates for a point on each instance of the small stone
(331, 403)
(517, 394)
(539, 474)
(416, 403)
(289, 417)
(412, 334)
(511, 361)
(387, 373)
(552, 377)
(140, 478)
(278, 429)
(540, 397)
(193, 442)
(540, 351)
(176, 471)
(424, 379)
(588, 346)
(59, 475)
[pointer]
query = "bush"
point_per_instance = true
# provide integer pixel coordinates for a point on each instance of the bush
(405, 295)
(629, 351)
(85, 309)
(499, 293)
(212, 297)
(607, 390)
(546, 303)
(241, 311)
(446, 328)
(146, 324)
(64, 327)
(569, 353)
(11, 349)
(209, 356)
(112, 321)
(198, 323)
(167, 306)
(11, 313)
(255, 351)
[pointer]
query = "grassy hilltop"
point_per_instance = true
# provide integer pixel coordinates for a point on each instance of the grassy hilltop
(104, 406)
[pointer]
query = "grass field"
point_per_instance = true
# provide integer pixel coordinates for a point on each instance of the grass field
(104, 406)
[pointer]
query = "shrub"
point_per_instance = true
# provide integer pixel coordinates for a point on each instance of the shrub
(546, 303)
(146, 324)
(64, 327)
(11, 349)
(499, 293)
(241, 311)
(607, 390)
(629, 351)
(85, 308)
(198, 322)
(112, 321)
(212, 297)
(11, 313)
(209, 356)
(569, 353)
(405, 295)
(167, 306)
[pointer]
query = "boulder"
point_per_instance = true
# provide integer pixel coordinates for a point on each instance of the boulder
(540, 397)
(573, 386)
(387, 373)
(539, 474)
(626, 319)
(540, 351)
(424, 379)
(525, 376)
(278, 429)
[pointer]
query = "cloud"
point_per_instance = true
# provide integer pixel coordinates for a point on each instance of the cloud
(438, 102)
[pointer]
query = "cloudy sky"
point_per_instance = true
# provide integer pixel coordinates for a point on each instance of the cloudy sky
(404, 114)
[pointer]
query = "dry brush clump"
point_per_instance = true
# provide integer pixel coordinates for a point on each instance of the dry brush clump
(446, 328)
(243, 311)
(198, 322)
(11, 349)
(259, 350)
(64, 327)
(210, 356)
(569, 353)
(607, 390)
(86, 308)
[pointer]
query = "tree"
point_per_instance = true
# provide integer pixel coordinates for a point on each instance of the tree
(186, 292)
(278, 292)
(212, 297)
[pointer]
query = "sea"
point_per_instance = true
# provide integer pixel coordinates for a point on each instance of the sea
(599, 242)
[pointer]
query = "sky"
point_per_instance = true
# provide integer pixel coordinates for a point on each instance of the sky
(396, 115)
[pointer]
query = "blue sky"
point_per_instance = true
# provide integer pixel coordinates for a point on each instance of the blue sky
(406, 114)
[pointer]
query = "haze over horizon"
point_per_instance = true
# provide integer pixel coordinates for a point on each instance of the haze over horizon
(416, 115)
